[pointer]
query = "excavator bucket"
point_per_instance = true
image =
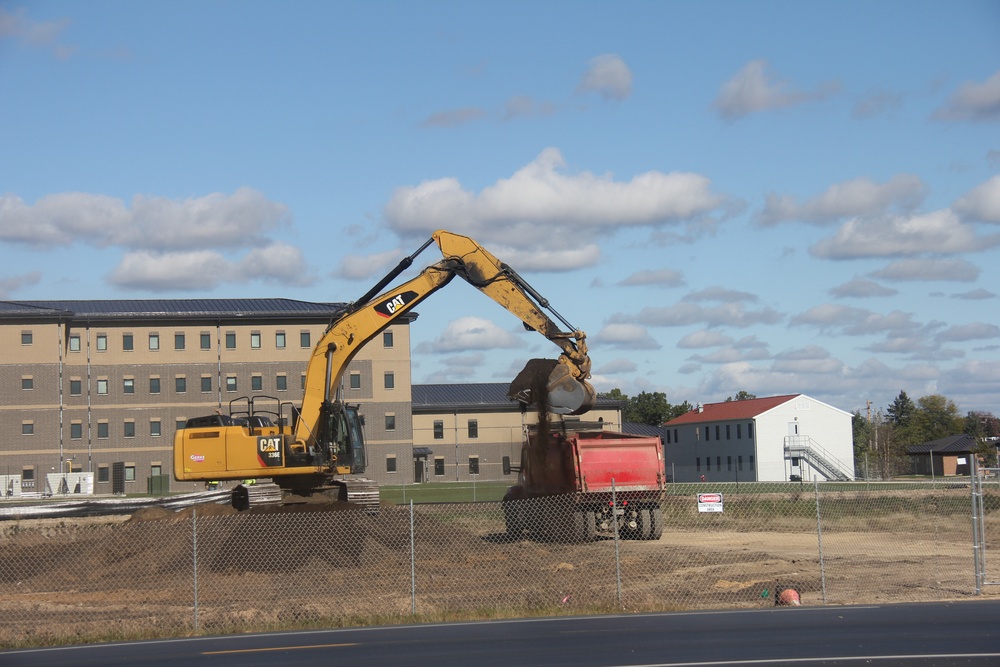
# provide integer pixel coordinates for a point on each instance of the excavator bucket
(552, 384)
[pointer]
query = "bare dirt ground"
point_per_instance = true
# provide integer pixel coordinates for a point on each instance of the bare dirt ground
(161, 572)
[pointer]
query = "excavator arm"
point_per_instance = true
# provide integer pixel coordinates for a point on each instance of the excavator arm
(567, 387)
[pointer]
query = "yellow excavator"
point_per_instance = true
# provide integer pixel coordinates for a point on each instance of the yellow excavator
(319, 446)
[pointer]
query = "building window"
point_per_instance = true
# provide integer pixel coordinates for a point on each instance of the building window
(154, 428)
(355, 380)
(102, 430)
(103, 473)
(76, 431)
(729, 463)
(231, 383)
(439, 430)
(154, 341)
(728, 432)
(390, 422)
(130, 472)
(129, 429)
(25, 338)
(708, 434)
(473, 428)
(179, 341)
(750, 435)
(180, 384)
(739, 431)
(717, 432)
(154, 385)
(74, 343)
(179, 424)
(27, 382)
(279, 340)
(438, 466)
(718, 463)
(676, 439)
(128, 385)
(386, 339)
(102, 387)
(256, 383)
(127, 342)
(473, 465)
(390, 380)
(302, 381)
(304, 339)
(668, 435)
(206, 341)
(751, 462)
(255, 341)
(281, 382)
(708, 463)
(390, 463)
(697, 434)
(697, 464)
(230, 340)
(739, 463)
(102, 342)
(75, 387)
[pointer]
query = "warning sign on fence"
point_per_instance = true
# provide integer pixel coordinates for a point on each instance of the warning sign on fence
(709, 502)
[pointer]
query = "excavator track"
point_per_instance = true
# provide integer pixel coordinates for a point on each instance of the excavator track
(362, 492)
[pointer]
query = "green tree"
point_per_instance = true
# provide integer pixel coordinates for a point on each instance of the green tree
(679, 409)
(901, 410)
(647, 408)
(935, 417)
(741, 395)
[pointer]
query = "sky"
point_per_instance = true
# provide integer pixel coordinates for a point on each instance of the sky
(772, 197)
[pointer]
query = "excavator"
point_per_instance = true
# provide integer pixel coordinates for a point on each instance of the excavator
(318, 447)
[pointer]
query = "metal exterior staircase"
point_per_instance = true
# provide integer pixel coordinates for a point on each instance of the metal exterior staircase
(822, 461)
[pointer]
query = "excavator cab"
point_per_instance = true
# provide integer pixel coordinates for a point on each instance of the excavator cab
(342, 436)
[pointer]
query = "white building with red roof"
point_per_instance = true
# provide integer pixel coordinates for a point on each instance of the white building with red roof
(778, 438)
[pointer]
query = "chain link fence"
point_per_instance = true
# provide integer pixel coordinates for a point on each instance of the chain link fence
(207, 569)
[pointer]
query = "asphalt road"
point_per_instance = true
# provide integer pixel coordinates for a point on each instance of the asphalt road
(965, 633)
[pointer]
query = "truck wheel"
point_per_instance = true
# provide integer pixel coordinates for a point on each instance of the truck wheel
(512, 519)
(589, 526)
(657, 516)
(645, 527)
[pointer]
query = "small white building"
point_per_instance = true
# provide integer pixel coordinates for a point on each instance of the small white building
(773, 439)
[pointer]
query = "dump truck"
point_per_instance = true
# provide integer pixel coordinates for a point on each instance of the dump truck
(578, 481)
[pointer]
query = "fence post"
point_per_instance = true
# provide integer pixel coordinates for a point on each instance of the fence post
(977, 537)
(413, 567)
(819, 535)
(618, 563)
(194, 559)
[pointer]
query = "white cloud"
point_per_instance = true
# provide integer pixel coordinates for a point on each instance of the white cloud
(721, 294)
(608, 76)
(981, 203)
(951, 270)
(973, 101)
(624, 336)
(661, 277)
(14, 283)
(966, 332)
(682, 314)
(362, 267)
(752, 89)
(854, 321)
(938, 232)
(857, 197)
(470, 333)
(545, 210)
(454, 117)
(702, 339)
(862, 288)
(39, 34)
(616, 366)
(153, 223)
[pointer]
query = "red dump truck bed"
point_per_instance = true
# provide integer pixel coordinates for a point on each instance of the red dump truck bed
(631, 463)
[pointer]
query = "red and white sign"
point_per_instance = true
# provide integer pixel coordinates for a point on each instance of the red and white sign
(709, 502)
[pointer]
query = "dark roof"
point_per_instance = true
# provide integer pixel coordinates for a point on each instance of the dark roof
(131, 308)
(952, 444)
(731, 410)
(474, 396)
(635, 428)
